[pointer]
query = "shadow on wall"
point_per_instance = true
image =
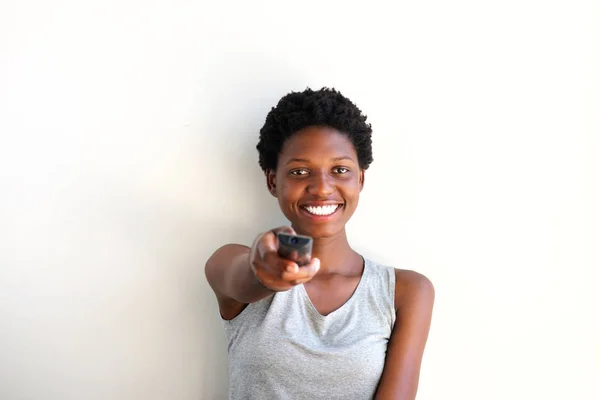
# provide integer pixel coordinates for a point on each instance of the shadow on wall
(233, 204)
(176, 238)
(194, 190)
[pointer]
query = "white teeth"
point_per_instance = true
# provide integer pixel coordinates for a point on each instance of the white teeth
(322, 210)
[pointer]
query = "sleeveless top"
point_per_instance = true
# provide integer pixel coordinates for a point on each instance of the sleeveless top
(281, 347)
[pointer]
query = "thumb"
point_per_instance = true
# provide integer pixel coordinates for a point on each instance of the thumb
(273, 240)
(315, 264)
(284, 229)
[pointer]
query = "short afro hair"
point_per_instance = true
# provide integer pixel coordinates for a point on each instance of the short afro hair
(324, 107)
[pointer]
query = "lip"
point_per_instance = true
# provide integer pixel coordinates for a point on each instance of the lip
(321, 217)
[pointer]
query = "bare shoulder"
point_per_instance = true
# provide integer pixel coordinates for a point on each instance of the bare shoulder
(413, 288)
(230, 248)
(220, 270)
(225, 253)
(219, 260)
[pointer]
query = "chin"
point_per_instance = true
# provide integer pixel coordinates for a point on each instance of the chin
(320, 232)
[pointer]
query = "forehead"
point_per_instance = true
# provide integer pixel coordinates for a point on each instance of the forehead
(317, 142)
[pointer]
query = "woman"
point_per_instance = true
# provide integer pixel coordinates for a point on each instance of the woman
(342, 326)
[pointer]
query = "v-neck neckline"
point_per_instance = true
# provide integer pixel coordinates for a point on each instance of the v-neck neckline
(344, 306)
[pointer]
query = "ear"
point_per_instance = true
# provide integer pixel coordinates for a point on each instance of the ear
(270, 174)
(361, 179)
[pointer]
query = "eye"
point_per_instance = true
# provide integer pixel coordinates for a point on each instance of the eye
(340, 170)
(299, 172)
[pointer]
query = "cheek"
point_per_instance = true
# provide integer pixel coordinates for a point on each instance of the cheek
(283, 188)
(352, 185)
(287, 193)
(289, 188)
(351, 191)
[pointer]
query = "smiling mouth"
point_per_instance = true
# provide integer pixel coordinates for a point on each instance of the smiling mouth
(322, 211)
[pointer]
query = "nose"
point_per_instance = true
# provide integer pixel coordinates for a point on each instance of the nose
(320, 185)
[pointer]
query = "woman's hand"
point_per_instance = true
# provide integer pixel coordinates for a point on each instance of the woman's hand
(274, 272)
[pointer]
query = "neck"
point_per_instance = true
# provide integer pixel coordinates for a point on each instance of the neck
(335, 254)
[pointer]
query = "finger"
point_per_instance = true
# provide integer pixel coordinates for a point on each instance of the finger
(273, 266)
(303, 260)
(292, 256)
(313, 266)
(304, 273)
(271, 279)
(269, 241)
(279, 264)
(284, 229)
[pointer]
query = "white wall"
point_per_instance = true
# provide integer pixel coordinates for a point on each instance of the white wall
(127, 156)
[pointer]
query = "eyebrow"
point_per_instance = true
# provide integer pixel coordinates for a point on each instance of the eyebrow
(303, 160)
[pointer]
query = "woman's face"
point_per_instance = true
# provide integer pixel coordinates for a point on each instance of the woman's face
(317, 181)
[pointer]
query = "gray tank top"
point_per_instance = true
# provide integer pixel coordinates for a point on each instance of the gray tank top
(281, 347)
